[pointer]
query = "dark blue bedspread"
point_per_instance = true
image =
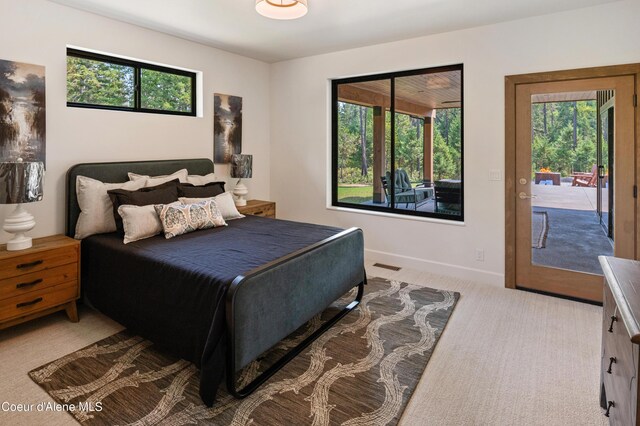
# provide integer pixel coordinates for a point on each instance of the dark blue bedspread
(172, 291)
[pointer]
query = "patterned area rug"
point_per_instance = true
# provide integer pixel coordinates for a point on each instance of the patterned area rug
(539, 229)
(360, 372)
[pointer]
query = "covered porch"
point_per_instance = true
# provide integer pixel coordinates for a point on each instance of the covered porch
(419, 96)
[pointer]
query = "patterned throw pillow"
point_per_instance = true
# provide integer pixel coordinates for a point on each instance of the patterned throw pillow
(224, 202)
(181, 219)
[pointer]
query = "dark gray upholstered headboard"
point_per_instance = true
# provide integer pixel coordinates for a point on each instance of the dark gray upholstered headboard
(117, 172)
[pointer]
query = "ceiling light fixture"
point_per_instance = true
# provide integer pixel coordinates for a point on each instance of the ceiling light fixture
(282, 9)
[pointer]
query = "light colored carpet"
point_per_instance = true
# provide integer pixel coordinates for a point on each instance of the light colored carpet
(507, 358)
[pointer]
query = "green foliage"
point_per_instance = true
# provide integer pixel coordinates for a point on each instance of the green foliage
(409, 145)
(353, 175)
(164, 91)
(564, 136)
(542, 152)
(99, 83)
(585, 155)
(447, 142)
(444, 159)
(102, 83)
(355, 166)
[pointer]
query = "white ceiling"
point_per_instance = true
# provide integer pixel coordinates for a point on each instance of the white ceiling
(330, 25)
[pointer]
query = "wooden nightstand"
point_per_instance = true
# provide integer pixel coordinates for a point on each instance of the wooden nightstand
(39, 280)
(259, 208)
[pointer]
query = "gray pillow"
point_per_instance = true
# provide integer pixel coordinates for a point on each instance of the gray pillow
(140, 222)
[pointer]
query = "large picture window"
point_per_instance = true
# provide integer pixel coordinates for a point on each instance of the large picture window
(106, 82)
(398, 142)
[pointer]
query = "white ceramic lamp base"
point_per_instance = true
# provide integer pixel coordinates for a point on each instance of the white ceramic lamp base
(19, 222)
(240, 191)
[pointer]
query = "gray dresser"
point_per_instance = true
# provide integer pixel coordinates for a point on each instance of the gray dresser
(620, 340)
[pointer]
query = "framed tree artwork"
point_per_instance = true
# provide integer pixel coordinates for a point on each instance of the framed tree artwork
(22, 112)
(227, 127)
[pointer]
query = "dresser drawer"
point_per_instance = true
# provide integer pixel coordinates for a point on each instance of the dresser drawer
(34, 301)
(33, 262)
(619, 377)
(620, 389)
(619, 364)
(37, 281)
(616, 342)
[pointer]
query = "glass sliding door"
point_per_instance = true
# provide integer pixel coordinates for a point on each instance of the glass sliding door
(605, 167)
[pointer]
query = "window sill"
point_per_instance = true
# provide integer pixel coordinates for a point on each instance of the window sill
(397, 216)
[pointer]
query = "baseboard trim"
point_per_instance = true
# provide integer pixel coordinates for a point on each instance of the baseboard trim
(439, 268)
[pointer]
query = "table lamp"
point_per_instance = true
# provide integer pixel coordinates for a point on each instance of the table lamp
(241, 167)
(20, 182)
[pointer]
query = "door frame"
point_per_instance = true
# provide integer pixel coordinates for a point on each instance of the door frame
(511, 82)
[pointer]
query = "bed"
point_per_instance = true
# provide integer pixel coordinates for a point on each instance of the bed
(218, 297)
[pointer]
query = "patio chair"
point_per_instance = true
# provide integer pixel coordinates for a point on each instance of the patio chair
(448, 196)
(585, 179)
(404, 191)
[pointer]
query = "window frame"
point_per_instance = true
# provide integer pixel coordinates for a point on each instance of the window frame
(391, 76)
(137, 66)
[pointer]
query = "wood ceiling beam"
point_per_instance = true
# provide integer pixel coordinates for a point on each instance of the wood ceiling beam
(359, 96)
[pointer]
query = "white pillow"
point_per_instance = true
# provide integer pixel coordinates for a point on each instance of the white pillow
(159, 180)
(140, 222)
(96, 216)
(225, 204)
(199, 180)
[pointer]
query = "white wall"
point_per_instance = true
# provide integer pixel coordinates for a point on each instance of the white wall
(300, 126)
(37, 32)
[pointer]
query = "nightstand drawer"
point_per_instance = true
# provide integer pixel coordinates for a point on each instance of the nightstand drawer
(26, 304)
(267, 211)
(38, 261)
(259, 208)
(36, 281)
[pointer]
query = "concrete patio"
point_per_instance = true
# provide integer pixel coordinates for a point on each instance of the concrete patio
(565, 196)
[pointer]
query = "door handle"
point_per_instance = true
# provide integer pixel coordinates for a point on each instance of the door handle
(524, 196)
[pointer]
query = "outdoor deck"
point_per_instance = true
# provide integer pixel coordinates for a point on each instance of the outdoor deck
(573, 228)
(427, 206)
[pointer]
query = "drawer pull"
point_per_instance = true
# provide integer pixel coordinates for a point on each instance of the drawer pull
(32, 283)
(33, 302)
(30, 264)
(609, 405)
(613, 319)
(612, 360)
(258, 213)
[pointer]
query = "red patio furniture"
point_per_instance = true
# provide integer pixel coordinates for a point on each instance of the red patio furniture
(585, 179)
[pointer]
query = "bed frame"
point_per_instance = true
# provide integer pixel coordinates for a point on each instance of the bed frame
(288, 291)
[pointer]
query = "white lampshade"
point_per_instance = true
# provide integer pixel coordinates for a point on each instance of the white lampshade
(282, 9)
